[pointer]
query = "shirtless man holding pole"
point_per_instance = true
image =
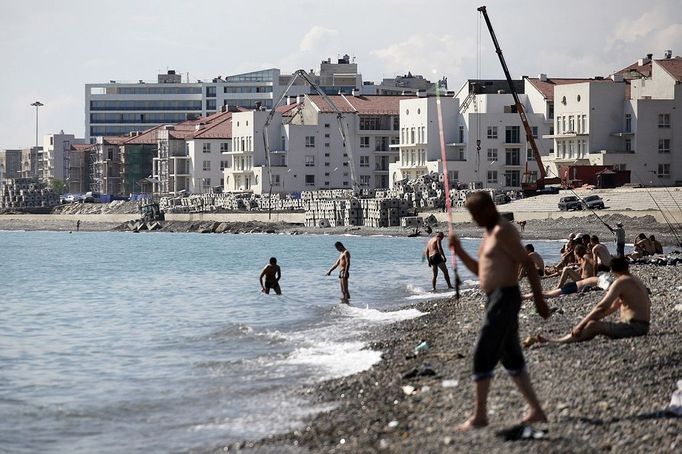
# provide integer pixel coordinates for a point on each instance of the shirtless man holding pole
(499, 257)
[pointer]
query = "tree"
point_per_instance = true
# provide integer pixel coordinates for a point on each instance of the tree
(58, 186)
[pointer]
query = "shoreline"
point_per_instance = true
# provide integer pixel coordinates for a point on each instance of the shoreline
(544, 229)
(602, 395)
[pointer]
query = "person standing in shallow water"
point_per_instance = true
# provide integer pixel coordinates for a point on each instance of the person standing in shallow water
(272, 274)
(436, 258)
(499, 257)
(343, 263)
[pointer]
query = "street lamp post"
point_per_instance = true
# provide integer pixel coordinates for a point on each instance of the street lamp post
(36, 104)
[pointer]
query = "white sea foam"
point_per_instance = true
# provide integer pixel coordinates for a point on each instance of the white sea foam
(335, 359)
(374, 315)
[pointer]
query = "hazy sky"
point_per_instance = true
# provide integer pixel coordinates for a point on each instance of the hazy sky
(50, 49)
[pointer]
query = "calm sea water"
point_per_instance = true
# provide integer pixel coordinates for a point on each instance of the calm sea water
(116, 342)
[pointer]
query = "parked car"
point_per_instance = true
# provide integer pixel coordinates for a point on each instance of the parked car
(92, 197)
(71, 198)
(593, 202)
(548, 190)
(570, 203)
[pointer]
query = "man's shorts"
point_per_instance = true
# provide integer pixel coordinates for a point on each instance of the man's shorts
(570, 287)
(499, 336)
(632, 328)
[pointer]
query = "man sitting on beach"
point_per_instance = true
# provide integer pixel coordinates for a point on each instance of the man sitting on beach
(658, 248)
(643, 247)
(601, 254)
(537, 260)
(272, 274)
(586, 268)
(499, 257)
(343, 263)
(627, 293)
(436, 258)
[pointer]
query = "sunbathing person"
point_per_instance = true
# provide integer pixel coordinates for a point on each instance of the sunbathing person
(537, 261)
(603, 282)
(658, 248)
(643, 247)
(628, 294)
(601, 254)
(587, 268)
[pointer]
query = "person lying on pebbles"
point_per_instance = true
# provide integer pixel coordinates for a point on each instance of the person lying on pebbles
(628, 294)
(603, 281)
(499, 257)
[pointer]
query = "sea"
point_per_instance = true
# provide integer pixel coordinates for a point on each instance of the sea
(116, 342)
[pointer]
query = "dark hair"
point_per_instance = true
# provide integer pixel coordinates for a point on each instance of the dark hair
(273, 261)
(652, 238)
(479, 200)
(641, 236)
(440, 234)
(580, 250)
(619, 264)
(530, 248)
(585, 237)
(338, 245)
(595, 239)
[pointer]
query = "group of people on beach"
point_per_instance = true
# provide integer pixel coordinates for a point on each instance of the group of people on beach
(502, 262)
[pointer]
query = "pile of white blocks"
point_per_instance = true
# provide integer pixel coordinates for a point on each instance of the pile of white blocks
(27, 193)
(206, 203)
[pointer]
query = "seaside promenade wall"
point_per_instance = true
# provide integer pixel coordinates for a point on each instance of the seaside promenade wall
(458, 215)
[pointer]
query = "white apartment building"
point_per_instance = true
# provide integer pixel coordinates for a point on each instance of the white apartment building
(487, 120)
(307, 151)
(209, 151)
(624, 123)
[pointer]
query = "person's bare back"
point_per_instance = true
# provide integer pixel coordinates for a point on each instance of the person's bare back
(601, 254)
(635, 303)
(496, 268)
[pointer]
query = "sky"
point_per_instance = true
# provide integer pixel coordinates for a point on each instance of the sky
(51, 49)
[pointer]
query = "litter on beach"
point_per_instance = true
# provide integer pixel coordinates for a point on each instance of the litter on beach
(450, 383)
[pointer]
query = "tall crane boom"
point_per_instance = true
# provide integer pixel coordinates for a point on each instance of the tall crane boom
(529, 185)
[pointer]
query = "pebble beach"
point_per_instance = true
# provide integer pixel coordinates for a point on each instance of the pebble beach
(599, 396)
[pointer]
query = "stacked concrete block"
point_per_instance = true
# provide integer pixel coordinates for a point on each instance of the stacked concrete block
(206, 203)
(411, 222)
(18, 193)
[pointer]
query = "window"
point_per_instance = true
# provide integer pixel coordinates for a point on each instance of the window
(453, 176)
(224, 147)
(512, 157)
(663, 120)
(224, 165)
(535, 132)
(512, 178)
(512, 134)
(550, 108)
(571, 124)
(205, 184)
(326, 164)
(364, 142)
(664, 171)
(364, 180)
(492, 132)
(628, 145)
(326, 155)
(583, 122)
(310, 180)
(364, 161)
(345, 164)
(345, 174)
(529, 155)
(326, 125)
(206, 148)
(628, 123)
(618, 167)
(326, 135)
(551, 130)
(492, 176)
(310, 141)
(461, 134)
(310, 161)
(275, 180)
(326, 144)
(210, 104)
(206, 167)
(210, 92)
(664, 145)
(492, 154)
(396, 123)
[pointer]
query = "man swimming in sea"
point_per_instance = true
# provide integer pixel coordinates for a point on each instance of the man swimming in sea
(436, 259)
(499, 257)
(343, 263)
(272, 274)
(628, 294)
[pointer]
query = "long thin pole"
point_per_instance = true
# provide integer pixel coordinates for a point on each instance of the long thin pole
(446, 180)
